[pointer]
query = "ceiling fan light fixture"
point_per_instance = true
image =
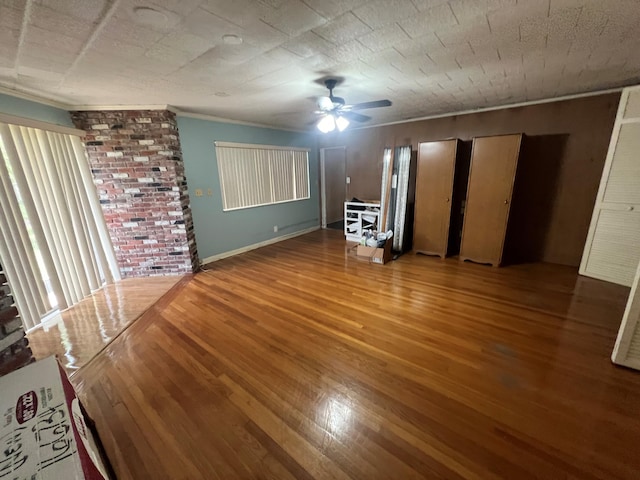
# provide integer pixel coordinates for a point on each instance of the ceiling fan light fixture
(327, 124)
(342, 123)
(336, 114)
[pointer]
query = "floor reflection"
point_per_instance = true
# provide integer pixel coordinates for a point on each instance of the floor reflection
(338, 417)
(334, 414)
(80, 332)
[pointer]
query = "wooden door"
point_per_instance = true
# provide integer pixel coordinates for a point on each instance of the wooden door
(334, 183)
(434, 191)
(493, 168)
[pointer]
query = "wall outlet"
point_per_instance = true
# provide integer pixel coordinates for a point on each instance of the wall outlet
(348, 180)
(198, 192)
(275, 228)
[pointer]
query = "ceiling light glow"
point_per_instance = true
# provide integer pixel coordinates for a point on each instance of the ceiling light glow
(327, 124)
(342, 123)
(330, 122)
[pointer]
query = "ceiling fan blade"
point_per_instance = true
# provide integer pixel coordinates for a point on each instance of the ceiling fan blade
(356, 117)
(374, 104)
(325, 103)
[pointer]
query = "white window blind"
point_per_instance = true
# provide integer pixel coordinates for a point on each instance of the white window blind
(254, 175)
(54, 243)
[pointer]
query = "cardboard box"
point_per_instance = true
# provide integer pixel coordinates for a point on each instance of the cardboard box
(380, 255)
(43, 431)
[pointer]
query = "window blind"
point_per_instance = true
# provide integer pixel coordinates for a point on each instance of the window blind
(254, 175)
(54, 242)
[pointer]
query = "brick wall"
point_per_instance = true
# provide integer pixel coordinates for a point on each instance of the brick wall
(14, 346)
(137, 166)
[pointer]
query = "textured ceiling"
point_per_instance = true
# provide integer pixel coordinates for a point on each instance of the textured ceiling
(427, 56)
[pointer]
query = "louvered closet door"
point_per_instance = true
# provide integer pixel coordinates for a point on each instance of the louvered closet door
(627, 349)
(612, 250)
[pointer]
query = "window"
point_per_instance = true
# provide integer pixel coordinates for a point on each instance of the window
(253, 175)
(53, 240)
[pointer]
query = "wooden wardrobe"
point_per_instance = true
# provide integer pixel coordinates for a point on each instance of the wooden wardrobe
(494, 162)
(440, 184)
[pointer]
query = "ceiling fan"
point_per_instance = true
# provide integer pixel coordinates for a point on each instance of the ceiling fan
(336, 113)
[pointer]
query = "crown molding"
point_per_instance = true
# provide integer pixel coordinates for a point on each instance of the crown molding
(111, 108)
(34, 98)
(498, 107)
(213, 118)
(171, 108)
(182, 113)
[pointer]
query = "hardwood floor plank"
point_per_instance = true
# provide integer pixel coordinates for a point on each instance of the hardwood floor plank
(77, 334)
(299, 361)
(312, 460)
(293, 468)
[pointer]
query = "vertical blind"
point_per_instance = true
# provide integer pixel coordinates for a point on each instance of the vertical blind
(53, 239)
(403, 160)
(398, 166)
(386, 171)
(253, 175)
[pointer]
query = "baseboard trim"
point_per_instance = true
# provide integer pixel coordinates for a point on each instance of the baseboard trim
(248, 248)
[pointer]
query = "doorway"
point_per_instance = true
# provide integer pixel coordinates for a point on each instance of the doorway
(333, 172)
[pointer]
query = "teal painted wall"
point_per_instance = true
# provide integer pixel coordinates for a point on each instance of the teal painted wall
(218, 231)
(35, 111)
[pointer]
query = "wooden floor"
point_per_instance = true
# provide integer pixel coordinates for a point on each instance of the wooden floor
(79, 333)
(297, 361)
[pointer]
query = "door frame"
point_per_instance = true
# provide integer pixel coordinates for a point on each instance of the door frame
(323, 193)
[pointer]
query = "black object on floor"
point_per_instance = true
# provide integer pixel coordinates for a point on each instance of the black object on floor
(339, 225)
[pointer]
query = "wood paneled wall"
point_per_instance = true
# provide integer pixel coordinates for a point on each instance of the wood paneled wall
(586, 123)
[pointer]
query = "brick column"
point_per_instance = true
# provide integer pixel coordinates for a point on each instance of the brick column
(137, 166)
(14, 347)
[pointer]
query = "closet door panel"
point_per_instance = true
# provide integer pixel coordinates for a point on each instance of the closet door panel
(434, 190)
(493, 167)
(632, 107)
(612, 248)
(627, 349)
(615, 247)
(623, 185)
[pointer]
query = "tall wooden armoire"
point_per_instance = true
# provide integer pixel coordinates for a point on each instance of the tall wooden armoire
(442, 165)
(494, 162)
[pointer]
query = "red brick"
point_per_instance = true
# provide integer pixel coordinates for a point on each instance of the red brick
(133, 254)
